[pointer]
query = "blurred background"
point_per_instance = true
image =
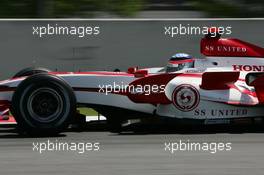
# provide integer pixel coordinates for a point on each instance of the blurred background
(120, 44)
(130, 8)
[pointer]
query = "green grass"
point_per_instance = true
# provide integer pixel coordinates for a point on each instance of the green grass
(88, 111)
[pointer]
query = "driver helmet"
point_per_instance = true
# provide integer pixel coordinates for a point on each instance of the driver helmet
(180, 61)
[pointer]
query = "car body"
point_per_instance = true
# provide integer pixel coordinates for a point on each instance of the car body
(222, 88)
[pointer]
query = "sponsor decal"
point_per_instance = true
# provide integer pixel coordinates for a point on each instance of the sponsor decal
(256, 68)
(185, 97)
(221, 112)
(229, 49)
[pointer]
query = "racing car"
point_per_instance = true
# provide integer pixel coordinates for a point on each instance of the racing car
(224, 87)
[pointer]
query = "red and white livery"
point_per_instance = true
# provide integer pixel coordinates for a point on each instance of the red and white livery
(222, 88)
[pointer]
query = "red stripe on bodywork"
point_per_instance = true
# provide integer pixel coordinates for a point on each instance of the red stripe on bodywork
(3, 104)
(191, 75)
(244, 91)
(4, 107)
(218, 80)
(7, 88)
(236, 103)
(258, 84)
(152, 98)
(94, 73)
(100, 90)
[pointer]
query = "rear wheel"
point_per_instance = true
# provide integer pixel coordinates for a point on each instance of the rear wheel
(43, 104)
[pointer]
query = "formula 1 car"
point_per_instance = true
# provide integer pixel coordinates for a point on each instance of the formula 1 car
(222, 88)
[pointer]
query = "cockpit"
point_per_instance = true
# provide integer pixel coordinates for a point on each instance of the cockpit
(179, 62)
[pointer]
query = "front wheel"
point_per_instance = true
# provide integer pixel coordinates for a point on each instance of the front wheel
(43, 104)
(30, 71)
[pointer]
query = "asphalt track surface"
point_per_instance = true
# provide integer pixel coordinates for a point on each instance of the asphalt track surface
(133, 154)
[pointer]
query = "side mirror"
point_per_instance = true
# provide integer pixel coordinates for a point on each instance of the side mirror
(141, 73)
(132, 70)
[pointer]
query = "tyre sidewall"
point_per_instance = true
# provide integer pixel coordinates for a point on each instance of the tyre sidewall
(20, 106)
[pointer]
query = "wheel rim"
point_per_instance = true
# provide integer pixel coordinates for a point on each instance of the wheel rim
(45, 104)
